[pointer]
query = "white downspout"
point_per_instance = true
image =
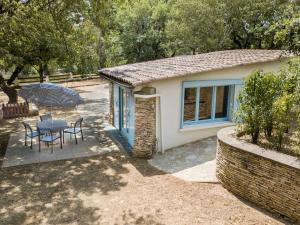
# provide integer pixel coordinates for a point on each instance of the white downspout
(159, 126)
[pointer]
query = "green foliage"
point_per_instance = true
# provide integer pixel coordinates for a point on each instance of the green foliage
(269, 103)
(294, 69)
(282, 110)
(250, 113)
(27, 36)
(84, 43)
(297, 109)
(272, 90)
(39, 33)
(116, 54)
(141, 30)
(252, 24)
(83, 35)
(144, 30)
(287, 32)
(197, 26)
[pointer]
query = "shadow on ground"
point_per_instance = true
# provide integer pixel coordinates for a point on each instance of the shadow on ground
(48, 193)
(51, 189)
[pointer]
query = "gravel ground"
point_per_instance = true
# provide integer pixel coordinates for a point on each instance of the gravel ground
(114, 189)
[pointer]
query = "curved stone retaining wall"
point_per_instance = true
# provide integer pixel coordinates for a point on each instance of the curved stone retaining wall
(267, 178)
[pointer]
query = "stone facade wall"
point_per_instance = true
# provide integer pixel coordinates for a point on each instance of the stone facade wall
(145, 127)
(111, 103)
(268, 183)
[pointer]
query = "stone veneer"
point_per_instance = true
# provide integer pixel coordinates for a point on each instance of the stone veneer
(145, 127)
(267, 178)
(145, 123)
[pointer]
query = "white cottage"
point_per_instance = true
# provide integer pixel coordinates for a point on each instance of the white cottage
(160, 104)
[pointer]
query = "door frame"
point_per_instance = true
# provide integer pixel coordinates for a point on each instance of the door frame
(128, 132)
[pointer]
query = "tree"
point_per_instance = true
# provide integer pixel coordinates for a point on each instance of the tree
(249, 116)
(102, 14)
(197, 26)
(84, 44)
(34, 33)
(249, 22)
(282, 110)
(8, 9)
(271, 83)
(141, 29)
(286, 32)
(10, 92)
(270, 102)
(297, 109)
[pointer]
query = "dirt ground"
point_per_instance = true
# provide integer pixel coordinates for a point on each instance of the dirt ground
(114, 189)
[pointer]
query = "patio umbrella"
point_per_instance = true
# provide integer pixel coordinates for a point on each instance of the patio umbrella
(50, 95)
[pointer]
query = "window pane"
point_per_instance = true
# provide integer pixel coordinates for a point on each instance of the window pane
(222, 101)
(205, 103)
(189, 104)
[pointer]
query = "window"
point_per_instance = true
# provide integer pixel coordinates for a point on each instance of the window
(222, 99)
(207, 101)
(189, 104)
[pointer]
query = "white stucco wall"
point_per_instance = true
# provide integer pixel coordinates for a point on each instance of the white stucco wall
(170, 91)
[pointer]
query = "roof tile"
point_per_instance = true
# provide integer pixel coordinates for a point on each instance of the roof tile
(145, 72)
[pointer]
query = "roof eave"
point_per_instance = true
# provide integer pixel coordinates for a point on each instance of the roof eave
(116, 80)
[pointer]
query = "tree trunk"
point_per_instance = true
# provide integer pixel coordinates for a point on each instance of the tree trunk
(255, 136)
(269, 129)
(9, 91)
(173, 54)
(15, 74)
(193, 51)
(41, 73)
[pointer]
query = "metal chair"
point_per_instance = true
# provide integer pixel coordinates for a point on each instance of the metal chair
(73, 130)
(29, 133)
(48, 138)
(46, 117)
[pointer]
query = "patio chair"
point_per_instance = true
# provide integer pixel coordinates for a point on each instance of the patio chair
(46, 117)
(29, 133)
(74, 129)
(49, 138)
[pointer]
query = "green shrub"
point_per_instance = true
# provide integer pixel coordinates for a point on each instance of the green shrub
(282, 111)
(297, 109)
(249, 116)
(270, 103)
(271, 83)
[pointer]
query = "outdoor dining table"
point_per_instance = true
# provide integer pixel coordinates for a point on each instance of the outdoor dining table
(52, 126)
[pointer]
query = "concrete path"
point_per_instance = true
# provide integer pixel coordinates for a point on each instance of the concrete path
(94, 112)
(191, 162)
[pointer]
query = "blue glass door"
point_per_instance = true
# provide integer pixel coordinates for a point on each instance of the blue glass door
(126, 115)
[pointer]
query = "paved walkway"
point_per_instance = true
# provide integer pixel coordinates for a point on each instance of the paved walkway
(191, 162)
(94, 111)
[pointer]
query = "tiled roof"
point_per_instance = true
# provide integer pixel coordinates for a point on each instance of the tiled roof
(145, 72)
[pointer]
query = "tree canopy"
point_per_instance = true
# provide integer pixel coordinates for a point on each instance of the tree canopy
(83, 35)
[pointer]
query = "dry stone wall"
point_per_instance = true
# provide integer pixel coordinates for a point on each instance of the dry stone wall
(264, 177)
